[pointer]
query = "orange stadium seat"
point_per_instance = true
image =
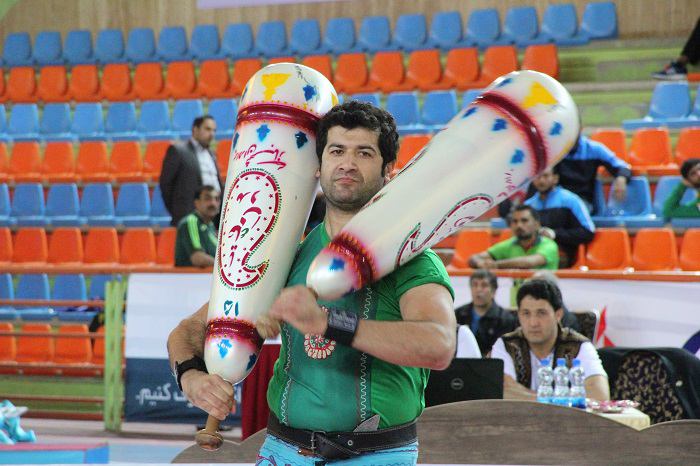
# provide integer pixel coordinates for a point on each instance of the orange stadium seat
(180, 81)
(84, 84)
(5, 245)
(21, 85)
(92, 164)
(73, 350)
(243, 70)
(59, 162)
(126, 164)
(66, 246)
(223, 151)
(214, 79)
(8, 348)
(462, 68)
(3, 88)
(138, 247)
(542, 58)
(424, 70)
(609, 250)
(580, 258)
(116, 83)
(321, 63)
(655, 249)
(148, 82)
(98, 349)
(274, 60)
(650, 152)
(165, 249)
(504, 234)
(613, 139)
(388, 73)
(25, 163)
(101, 246)
(469, 242)
(153, 158)
(351, 74)
(690, 250)
(688, 145)
(410, 145)
(30, 246)
(4, 163)
(53, 84)
(35, 349)
(498, 60)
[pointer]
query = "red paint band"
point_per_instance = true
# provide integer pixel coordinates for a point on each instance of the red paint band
(523, 121)
(234, 329)
(347, 246)
(278, 112)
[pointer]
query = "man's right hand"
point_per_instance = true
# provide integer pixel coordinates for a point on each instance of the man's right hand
(208, 392)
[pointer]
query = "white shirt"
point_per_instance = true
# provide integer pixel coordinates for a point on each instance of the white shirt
(587, 354)
(206, 165)
(467, 347)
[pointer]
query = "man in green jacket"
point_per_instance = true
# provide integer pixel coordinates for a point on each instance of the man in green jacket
(690, 173)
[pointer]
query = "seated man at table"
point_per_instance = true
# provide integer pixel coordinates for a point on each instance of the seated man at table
(541, 336)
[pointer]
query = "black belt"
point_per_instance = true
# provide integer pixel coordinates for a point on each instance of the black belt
(342, 445)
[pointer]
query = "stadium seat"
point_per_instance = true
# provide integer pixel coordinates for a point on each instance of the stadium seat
(3, 126)
(237, 41)
(214, 80)
(109, 46)
(48, 49)
(664, 186)
(670, 106)
(72, 287)
(687, 145)
(609, 250)
(101, 247)
(321, 63)
(72, 350)
(8, 345)
(373, 98)
(120, 124)
(6, 250)
(483, 28)
(375, 34)
(403, 106)
(184, 113)
(205, 43)
(224, 112)
(56, 123)
(154, 121)
(35, 349)
(92, 163)
(462, 68)
(53, 84)
(63, 205)
(180, 81)
(17, 50)
(223, 152)
(613, 139)
(650, 152)
(165, 249)
(340, 36)
(305, 37)
(97, 285)
(446, 30)
(141, 46)
(411, 32)
(21, 85)
(689, 258)
(28, 206)
(138, 247)
(655, 249)
(88, 124)
(7, 288)
(98, 350)
(78, 48)
(172, 44)
(116, 85)
(388, 74)
(469, 242)
(25, 163)
(424, 71)
(521, 27)
(4, 163)
(30, 246)
(65, 246)
(599, 20)
(24, 123)
(243, 70)
(5, 207)
(635, 211)
(125, 163)
(560, 25)
(542, 58)
(59, 163)
(153, 158)
(271, 39)
(498, 61)
(133, 205)
(148, 82)
(351, 74)
(438, 109)
(469, 96)
(160, 216)
(274, 60)
(97, 205)
(411, 144)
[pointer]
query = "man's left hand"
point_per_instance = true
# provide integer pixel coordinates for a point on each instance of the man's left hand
(298, 307)
(619, 187)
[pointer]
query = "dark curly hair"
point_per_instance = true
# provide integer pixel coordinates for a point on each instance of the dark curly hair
(541, 289)
(688, 165)
(355, 114)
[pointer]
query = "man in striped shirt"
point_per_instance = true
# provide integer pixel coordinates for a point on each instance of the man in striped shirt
(196, 241)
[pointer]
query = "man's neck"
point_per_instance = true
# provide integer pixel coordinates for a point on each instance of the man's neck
(202, 217)
(198, 144)
(543, 350)
(544, 194)
(481, 310)
(336, 219)
(527, 243)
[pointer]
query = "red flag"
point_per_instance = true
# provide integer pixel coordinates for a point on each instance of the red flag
(602, 325)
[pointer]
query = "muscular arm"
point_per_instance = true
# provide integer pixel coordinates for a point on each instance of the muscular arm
(597, 388)
(526, 262)
(512, 390)
(482, 260)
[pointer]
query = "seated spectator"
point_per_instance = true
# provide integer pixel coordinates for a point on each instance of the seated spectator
(195, 244)
(526, 250)
(541, 336)
(563, 215)
(677, 70)
(568, 320)
(486, 319)
(690, 173)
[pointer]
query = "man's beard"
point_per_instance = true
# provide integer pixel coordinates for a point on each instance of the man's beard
(353, 203)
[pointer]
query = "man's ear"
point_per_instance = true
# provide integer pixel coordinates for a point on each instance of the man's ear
(388, 168)
(559, 313)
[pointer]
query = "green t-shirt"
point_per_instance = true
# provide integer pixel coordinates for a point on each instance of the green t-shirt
(320, 385)
(673, 207)
(510, 249)
(193, 235)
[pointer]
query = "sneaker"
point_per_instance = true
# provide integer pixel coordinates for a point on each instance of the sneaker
(674, 71)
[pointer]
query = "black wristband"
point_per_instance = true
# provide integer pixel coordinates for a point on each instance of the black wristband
(195, 362)
(342, 326)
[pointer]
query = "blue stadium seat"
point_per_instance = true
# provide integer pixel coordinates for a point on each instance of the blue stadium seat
(664, 186)
(598, 198)
(97, 205)
(521, 27)
(446, 30)
(224, 112)
(238, 41)
(56, 122)
(109, 46)
(34, 286)
(172, 44)
(438, 108)
(600, 20)
(88, 124)
(670, 106)
(205, 43)
(17, 50)
(560, 25)
(305, 37)
(154, 121)
(141, 46)
(469, 96)
(71, 287)
(48, 49)
(133, 205)
(159, 214)
(634, 212)
(411, 32)
(24, 122)
(340, 36)
(120, 124)
(28, 206)
(375, 34)
(7, 291)
(403, 106)
(184, 113)
(271, 39)
(369, 97)
(484, 28)
(78, 49)
(98, 283)
(63, 206)
(3, 124)
(6, 220)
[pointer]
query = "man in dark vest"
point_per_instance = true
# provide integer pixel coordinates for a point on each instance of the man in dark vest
(541, 336)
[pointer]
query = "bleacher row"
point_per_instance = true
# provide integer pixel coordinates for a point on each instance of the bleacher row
(447, 31)
(671, 106)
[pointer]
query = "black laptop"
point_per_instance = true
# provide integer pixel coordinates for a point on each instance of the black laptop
(465, 379)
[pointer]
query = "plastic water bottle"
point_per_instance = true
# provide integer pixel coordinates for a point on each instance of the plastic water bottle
(561, 383)
(577, 393)
(544, 381)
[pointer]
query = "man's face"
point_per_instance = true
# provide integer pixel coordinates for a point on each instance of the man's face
(538, 320)
(208, 204)
(545, 181)
(351, 167)
(523, 225)
(482, 293)
(694, 176)
(205, 132)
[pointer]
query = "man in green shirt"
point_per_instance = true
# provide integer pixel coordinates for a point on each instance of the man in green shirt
(327, 393)
(690, 173)
(195, 244)
(527, 249)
